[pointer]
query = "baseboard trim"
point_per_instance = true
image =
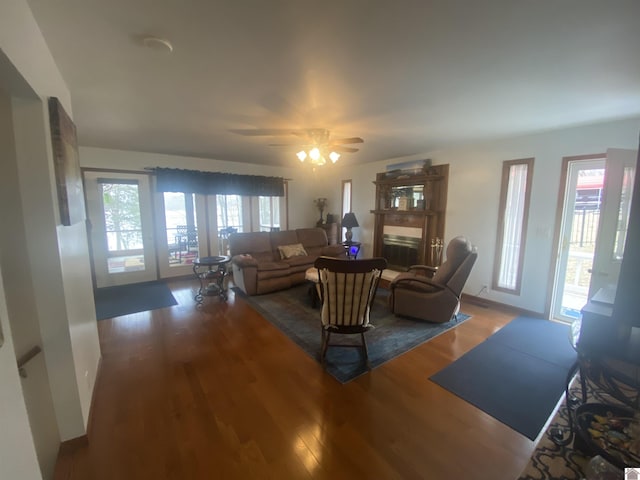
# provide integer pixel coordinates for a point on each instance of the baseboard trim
(486, 303)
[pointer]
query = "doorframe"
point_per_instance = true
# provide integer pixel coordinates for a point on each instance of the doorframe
(153, 221)
(84, 189)
(558, 226)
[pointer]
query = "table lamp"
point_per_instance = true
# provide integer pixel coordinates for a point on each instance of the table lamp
(349, 221)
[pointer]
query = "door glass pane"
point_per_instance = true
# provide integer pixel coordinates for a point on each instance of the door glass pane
(624, 212)
(181, 228)
(123, 227)
(229, 211)
(582, 243)
(269, 213)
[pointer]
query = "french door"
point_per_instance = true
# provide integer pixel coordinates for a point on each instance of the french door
(595, 215)
(121, 234)
(616, 207)
(182, 231)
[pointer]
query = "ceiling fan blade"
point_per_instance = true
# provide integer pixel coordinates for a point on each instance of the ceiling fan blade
(255, 132)
(297, 145)
(338, 148)
(342, 141)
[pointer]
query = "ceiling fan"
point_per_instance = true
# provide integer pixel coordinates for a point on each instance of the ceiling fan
(316, 143)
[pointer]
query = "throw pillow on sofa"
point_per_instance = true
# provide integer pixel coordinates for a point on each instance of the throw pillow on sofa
(294, 250)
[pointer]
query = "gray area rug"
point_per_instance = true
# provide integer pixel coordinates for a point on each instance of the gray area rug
(291, 311)
(137, 297)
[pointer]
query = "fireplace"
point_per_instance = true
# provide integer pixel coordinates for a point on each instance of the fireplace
(400, 251)
(404, 229)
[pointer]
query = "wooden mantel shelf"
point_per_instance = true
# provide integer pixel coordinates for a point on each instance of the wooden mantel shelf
(404, 212)
(407, 179)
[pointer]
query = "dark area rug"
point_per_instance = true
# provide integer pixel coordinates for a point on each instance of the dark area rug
(291, 311)
(517, 375)
(137, 297)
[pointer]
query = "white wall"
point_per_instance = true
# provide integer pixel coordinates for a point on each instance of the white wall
(17, 451)
(56, 259)
(473, 197)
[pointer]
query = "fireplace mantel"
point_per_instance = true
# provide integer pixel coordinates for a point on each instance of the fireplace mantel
(422, 210)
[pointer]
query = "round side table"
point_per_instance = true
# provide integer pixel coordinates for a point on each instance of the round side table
(211, 272)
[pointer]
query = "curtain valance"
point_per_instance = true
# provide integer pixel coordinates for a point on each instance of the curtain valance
(216, 183)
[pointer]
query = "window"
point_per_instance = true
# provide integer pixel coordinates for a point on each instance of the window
(512, 222)
(346, 201)
(229, 211)
(269, 213)
(624, 212)
(181, 227)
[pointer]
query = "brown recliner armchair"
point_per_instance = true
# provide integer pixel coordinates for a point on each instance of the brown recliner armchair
(434, 299)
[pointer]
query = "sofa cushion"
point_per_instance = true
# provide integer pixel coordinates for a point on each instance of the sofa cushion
(250, 242)
(294, 250)
(314, 251)
(283, 237)
(300, 260)
(312, 237)
(267, 270)
(264, 256)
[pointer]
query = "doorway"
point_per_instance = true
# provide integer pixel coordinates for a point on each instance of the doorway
(121, 219)
(596, 198)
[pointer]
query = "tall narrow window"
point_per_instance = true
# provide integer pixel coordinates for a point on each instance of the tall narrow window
(346, 201)
(512, 224)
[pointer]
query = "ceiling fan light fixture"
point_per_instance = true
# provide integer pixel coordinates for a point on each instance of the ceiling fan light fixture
(302, 155)
(334, 156)
(314, 153)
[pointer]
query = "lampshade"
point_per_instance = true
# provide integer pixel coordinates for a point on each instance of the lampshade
(349, 220)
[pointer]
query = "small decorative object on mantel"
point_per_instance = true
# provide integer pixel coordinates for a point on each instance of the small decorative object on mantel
(400, 170)
(321, 203)
(404, 203)
(437, 244)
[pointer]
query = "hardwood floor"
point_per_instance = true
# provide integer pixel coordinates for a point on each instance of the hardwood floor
(220, 393)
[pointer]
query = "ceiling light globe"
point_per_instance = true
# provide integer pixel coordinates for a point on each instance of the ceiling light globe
(334, 156)
(302, 155)
(314, 153)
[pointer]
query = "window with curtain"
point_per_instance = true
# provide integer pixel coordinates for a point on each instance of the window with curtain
(229, 211)
(269, 213)
(513, 212)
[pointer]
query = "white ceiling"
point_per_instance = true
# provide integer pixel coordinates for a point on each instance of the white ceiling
(407, 76)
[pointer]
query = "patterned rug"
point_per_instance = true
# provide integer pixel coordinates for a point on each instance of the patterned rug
(550, 461)
(292, 312)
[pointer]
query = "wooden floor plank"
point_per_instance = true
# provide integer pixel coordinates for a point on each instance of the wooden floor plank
(219, 392)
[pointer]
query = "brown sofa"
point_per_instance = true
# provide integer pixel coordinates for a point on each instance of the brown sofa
(264, 262)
